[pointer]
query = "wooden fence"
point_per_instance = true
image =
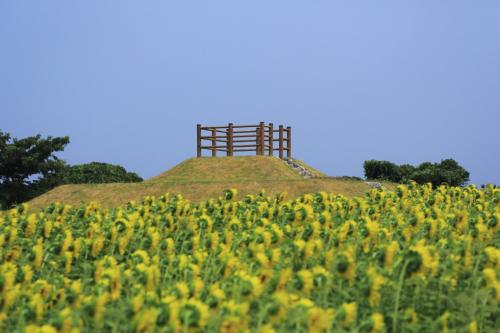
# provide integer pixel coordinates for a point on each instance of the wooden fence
(232, 139)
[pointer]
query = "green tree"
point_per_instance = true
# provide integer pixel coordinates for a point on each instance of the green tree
(406, 171)
(452, 173)
(426, 173)
(97, 173)
(383, 170)
(448, 171)
(28, 166)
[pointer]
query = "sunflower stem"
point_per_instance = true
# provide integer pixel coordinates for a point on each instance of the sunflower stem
(398, 294)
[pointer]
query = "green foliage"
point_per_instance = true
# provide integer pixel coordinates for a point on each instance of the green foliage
(97, 173)
(27, 166)
(354, 178)
(406, 170)
(383, 170)
(448, 171)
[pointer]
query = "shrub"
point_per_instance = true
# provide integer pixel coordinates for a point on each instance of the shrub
(383, 170)
(406, 170)
(448, 171)
(349, 178)
(425, 173)
(452, 173)
(98, 173)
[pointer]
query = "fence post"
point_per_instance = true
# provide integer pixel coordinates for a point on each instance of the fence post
(257, 141)
(214, 143)
(198, 140)
(261, 138)
(271, 139)
(280, 142)
(229, 139)
(289, 142)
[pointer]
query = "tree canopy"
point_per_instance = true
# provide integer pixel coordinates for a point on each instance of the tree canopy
(448, 171)
(97, 173)
(26, 165)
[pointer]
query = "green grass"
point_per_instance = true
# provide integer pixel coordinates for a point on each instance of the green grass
(236, 168)
(203, 178)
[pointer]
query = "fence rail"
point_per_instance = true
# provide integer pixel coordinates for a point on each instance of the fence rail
(245, 138)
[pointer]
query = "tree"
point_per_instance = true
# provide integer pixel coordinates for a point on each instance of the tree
(426, 173)
(448, 171)
(97, 173)
(406, 170)
(28, 165)
(452, 173)
(383, 170)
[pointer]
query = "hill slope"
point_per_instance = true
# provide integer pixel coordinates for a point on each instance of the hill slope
(203, 178)
(235, 168)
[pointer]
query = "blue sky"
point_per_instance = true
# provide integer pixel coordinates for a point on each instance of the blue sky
(405, 81)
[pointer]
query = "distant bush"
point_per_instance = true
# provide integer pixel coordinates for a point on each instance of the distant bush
(448, 171)
(97, 173)
(348, 178)
(406, 171)
(382, 170)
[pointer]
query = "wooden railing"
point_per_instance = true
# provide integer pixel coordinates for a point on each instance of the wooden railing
(245, 138)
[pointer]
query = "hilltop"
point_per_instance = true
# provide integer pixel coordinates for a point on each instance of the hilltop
(198, 179)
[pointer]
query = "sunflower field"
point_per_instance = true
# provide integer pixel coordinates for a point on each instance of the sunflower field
(416, 259)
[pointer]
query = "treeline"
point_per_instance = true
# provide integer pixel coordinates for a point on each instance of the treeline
(447, 171)
(29, 168)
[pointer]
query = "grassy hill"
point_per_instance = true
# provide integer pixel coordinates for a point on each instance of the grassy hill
(238, 168)
(202, 178)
